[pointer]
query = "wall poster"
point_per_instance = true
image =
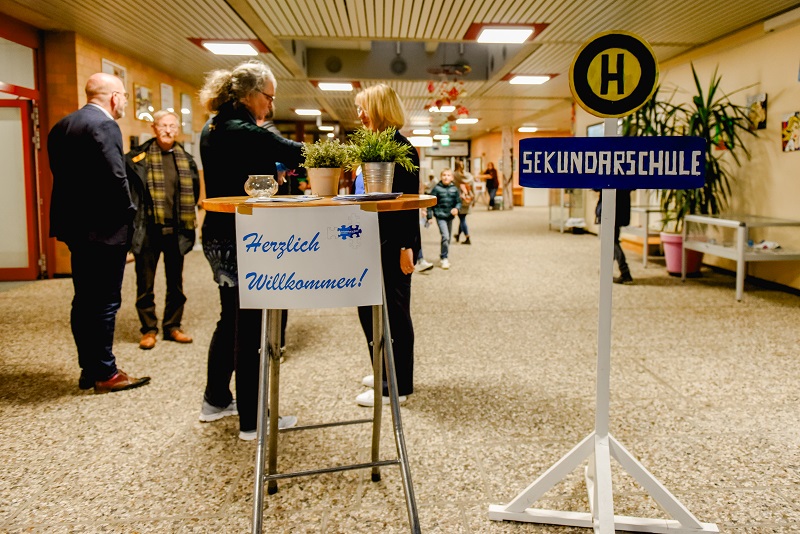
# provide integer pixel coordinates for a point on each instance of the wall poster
(790, 132)
(167, 98)
(109, 67)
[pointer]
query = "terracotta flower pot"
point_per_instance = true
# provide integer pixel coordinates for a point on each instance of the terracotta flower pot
(324, 182)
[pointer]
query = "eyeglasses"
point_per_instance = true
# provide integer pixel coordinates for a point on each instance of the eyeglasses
(120, 93)
(271, 98)
(172, 127)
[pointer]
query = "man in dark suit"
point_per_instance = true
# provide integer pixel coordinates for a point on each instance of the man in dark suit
(91, 211)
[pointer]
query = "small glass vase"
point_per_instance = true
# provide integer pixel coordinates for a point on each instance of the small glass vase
(261, 185)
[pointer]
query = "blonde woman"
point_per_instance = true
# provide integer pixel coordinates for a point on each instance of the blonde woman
(378, 108)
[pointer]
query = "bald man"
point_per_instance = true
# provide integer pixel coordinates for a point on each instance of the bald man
(91, 211)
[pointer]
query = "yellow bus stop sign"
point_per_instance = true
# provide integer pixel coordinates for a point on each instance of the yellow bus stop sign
(613, 74)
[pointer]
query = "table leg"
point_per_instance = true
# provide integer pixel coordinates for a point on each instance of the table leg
(399, 439)
(377, 374)
(646, 245)
(274, 390)
(683, 253)
(263, 392)
(741, 234)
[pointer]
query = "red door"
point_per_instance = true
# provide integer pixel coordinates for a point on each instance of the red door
(19, 247)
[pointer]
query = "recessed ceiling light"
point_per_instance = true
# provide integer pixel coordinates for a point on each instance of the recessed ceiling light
(231, 47)
(443, 109)
(311, 112)
(503, 32)
(421, 141)
(439, 137)
(324, 128)
(521, 79)
(507, 35)
(527, 129)
(222, 48)
(421, 132)
(466, 121)
(335, 86)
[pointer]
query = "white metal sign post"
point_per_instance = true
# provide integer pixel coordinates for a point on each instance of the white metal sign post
(608, 164)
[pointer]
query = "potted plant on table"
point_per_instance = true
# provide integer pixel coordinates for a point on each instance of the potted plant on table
(712, 116)
(325, 161)
(377, 153)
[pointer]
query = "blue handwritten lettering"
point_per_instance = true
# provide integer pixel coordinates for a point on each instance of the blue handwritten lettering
(289, 282)
(279, 248)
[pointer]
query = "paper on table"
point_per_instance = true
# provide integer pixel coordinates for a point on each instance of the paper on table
(368, 196)
(297, 198)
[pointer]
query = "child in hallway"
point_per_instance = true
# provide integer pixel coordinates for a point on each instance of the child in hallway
(448, 202)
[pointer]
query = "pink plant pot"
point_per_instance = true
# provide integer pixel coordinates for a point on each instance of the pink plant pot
(673, 243)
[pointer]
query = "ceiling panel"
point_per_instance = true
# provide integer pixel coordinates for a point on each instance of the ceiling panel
(157, 32)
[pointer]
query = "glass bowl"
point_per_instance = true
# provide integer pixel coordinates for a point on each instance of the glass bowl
(261, 185)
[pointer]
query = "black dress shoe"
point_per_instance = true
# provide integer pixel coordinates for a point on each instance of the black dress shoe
(85, 382)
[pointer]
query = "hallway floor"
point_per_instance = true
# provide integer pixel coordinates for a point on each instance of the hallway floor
(704, 392)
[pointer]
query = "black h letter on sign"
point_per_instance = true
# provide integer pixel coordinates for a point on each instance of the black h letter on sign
(606, 76)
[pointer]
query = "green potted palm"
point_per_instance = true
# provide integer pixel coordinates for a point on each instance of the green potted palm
(325, 161)
(722, 124)
(377, 153)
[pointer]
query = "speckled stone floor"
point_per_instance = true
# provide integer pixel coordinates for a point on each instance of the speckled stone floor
(704, 392)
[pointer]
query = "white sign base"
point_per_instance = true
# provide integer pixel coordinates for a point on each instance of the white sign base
(596, 477)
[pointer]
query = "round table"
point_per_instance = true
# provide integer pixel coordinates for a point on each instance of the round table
(403, 202)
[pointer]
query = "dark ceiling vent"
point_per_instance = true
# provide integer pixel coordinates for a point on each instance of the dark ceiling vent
(333, 64)
(398, 65)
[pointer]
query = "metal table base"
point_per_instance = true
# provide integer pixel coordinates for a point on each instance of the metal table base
(267, 430)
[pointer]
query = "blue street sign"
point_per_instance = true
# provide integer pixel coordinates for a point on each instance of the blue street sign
(612, 162)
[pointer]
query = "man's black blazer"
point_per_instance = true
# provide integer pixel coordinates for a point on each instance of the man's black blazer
(91, 201)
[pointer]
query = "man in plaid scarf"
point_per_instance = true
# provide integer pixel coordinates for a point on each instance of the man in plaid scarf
(165, 185)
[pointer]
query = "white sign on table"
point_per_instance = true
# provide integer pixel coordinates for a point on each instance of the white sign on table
(325, 257)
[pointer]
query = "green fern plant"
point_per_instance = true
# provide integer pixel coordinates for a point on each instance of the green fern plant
(328, 154)
(720, 123)
(377, 147)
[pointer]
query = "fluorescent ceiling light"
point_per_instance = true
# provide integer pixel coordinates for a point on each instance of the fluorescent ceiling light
(312, 112)
(528, 129)
(443, 109)
(330, 86)
(439, 137)
(421, 141)
(330, 134)
(421, 132)
(325, 128)
(508, 35)
(466, 121)
(230, 48)
(528, 80)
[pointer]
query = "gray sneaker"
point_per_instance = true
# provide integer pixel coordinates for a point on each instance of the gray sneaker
(284, 421)
(210, 412)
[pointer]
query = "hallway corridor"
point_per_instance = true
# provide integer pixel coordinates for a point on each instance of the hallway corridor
(704, 392)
